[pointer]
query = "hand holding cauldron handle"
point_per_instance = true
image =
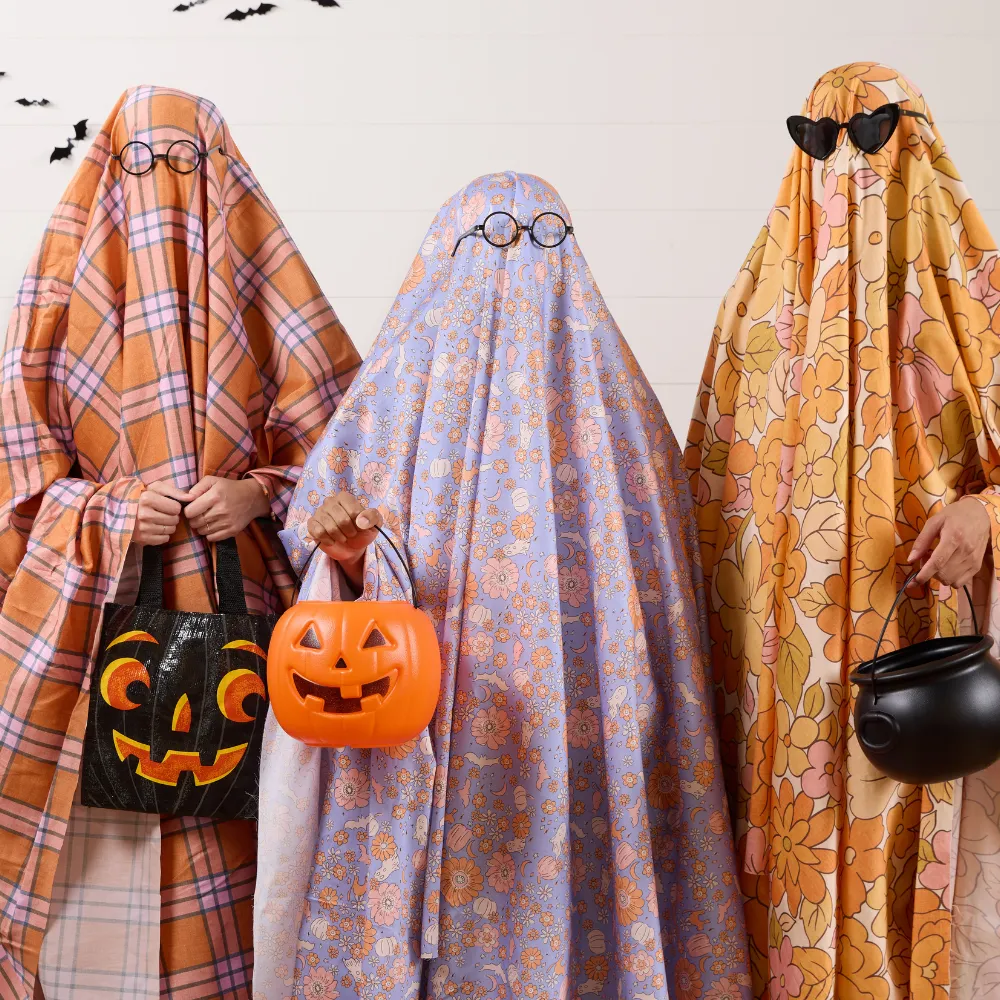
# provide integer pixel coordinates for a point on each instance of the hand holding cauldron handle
(892, 611)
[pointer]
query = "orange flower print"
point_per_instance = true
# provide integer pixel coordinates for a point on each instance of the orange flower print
(628, 900)
(664, 786)
(461, 881)
(500, 872)
(320, 984)
(799, 863)
(822, 391)
(687, 981)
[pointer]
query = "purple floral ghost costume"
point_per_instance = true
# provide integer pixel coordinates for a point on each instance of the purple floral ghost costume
(561, 829)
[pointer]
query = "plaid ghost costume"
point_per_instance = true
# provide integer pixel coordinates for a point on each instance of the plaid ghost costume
(166, 329)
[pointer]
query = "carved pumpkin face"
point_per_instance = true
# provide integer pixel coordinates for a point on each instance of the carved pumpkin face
(359, 674)
(174, 724)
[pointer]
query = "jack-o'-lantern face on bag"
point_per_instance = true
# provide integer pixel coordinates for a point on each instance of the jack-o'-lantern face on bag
(358, 674)
(177, 710)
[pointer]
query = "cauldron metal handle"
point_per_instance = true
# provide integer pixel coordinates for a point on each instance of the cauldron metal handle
(892, 611)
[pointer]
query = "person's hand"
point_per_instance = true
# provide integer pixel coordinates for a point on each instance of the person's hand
(222, 508)
(159, 514)
(343, 528)
(962, 531)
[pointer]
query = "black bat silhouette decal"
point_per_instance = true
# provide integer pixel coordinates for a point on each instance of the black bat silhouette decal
(326, 3)
(188, 6)
(64, 152)
(25, 103)
(242, 15)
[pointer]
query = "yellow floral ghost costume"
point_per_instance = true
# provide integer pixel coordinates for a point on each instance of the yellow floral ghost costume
(850, 392)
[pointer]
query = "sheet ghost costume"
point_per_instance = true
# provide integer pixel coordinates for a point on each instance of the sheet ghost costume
(167, 328)
(850, 392)
(561, 829)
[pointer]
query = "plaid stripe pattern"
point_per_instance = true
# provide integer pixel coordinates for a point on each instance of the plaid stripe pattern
(167, 328)
(103, 930)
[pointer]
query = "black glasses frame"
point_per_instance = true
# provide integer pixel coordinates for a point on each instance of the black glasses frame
(201, 156)
(834, 128)
(519, 228)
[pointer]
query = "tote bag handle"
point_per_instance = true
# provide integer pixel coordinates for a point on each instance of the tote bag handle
(228, 578)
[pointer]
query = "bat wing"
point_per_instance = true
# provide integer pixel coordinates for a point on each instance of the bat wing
(61, 153)
(327, 3)
(80, 128)
(23, 101)
(236, 15)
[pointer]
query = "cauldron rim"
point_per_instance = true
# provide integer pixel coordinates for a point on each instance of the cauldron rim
(924, 659)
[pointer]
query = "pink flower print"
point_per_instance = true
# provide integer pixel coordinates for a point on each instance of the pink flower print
(725, 989)
(482, 646)
(500, 577)
(581, 728)
(491, 727)
(937, 874)
(919, 372)
(375, 479)
(351, 789)
(567, 503)
(493, 434)
(834, 215)
(500, 872)
(640, 481)
(473, 209)
(385, 903)
(824, 776)
(585, 438)
(320, 984)
(574, 584)
(786, 977)
(489, 937)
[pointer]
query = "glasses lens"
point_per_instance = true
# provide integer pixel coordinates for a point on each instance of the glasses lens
(818, 139)
(183, 156)
(872, 132)
(549, 229)
(137, 158)
(500, 229)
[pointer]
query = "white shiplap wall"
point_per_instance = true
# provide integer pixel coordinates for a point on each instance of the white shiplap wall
(661, 122)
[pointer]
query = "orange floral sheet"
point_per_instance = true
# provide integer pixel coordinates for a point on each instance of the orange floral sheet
(851, 390)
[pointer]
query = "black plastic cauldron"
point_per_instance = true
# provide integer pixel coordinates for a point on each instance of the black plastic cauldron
(931, 711)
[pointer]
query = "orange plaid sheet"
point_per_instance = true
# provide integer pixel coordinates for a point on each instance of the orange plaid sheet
(167, 328)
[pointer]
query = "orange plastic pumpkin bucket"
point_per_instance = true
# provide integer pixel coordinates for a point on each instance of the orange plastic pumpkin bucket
(354, 673)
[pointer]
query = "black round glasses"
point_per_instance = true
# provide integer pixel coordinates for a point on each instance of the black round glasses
(869, 130)
(501, 229)
(182, 156)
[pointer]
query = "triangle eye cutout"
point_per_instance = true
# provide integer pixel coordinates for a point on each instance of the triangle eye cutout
(375, 638)
(310, 640)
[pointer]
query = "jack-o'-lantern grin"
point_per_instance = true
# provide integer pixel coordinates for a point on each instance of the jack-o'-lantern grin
(175, 762)
(346, 699)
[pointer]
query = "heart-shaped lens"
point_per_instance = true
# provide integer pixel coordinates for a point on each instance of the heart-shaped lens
(818, 139)
(871, 132)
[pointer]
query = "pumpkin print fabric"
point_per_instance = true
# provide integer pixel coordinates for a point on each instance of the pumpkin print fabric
(850, 391)
(167, 328)
(561, 829)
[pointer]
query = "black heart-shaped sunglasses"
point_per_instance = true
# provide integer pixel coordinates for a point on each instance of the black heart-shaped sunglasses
(869, 130)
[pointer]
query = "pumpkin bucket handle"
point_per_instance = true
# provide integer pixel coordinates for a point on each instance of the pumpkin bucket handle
(406, 565)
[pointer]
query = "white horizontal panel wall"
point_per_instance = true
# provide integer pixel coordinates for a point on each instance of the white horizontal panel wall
(661, 122)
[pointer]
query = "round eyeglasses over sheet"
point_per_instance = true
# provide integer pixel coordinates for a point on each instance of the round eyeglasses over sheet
(869, 130)
(501, 229)
(182, 156)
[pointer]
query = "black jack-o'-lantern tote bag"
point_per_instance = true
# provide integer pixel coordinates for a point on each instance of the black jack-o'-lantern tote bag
(178, 701)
